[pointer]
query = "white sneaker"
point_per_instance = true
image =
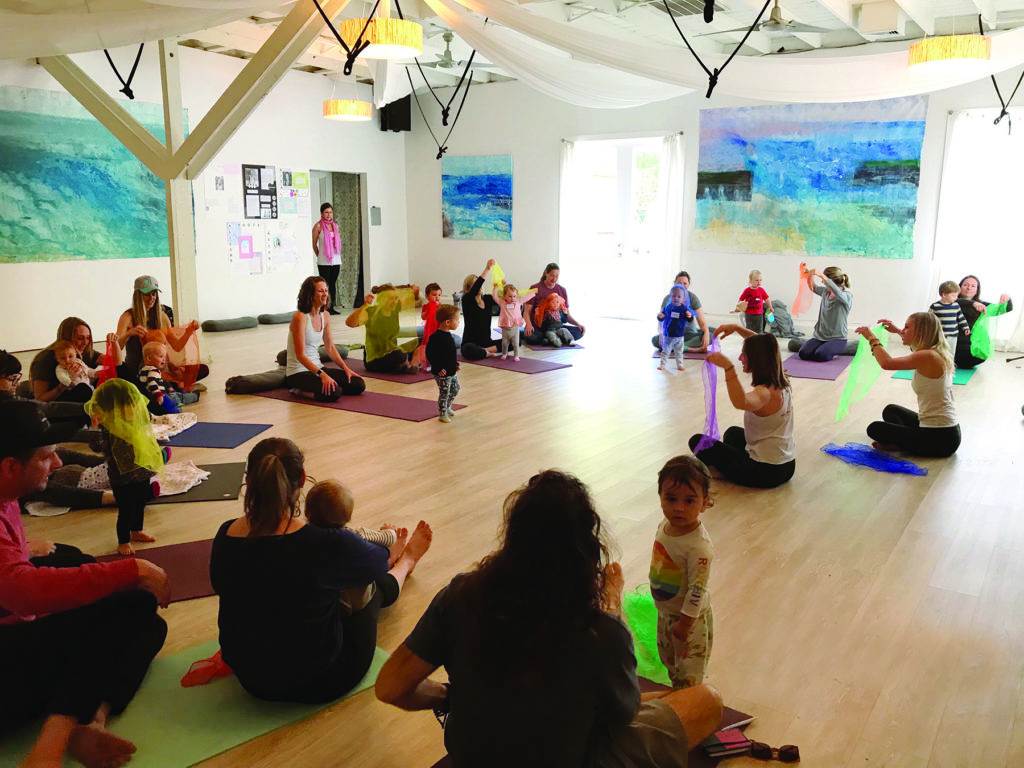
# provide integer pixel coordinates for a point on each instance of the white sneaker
(444, 418)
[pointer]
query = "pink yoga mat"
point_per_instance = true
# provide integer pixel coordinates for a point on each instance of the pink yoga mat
(359, 367)
(525, 364)
(807, 369)
(371, 403)
(187, 566)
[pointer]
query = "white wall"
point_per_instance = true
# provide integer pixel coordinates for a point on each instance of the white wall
(286, 129)
(510, 117)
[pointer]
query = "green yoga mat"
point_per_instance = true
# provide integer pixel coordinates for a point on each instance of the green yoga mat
(174, 726)
(961, 376)
(642, 620)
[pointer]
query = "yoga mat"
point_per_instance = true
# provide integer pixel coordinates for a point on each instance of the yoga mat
(371, 403)
(546, 348)
(224, 483)
(686, 355)
(807, 369)
(525, 364)
(960, 375)
(175, 726)
(400, 378)
(215, 434)
(187, 566)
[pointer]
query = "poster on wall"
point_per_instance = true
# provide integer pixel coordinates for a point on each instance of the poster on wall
(476, 197)
(70, 190)
(293, 193)
(259, 191)
(246, 241)
(810, 179)
(281, 246)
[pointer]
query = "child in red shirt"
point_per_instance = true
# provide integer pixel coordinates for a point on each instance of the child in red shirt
(429, 316)
(753, 303)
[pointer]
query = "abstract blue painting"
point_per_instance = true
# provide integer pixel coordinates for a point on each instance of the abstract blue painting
(68, 189)
(476, 197)
(811, 179)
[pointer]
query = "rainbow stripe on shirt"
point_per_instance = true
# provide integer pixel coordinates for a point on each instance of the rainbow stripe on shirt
(665, 576)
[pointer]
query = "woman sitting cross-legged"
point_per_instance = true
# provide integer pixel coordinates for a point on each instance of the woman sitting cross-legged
(311, 327)
(381, 314)
(283, 627)
(934, 429)
(762, 453)
(542, 676)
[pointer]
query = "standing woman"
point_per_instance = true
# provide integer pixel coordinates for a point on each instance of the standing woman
(145, 315)
(327, 247)
(549, 284)
(309, 329)
(477, 311)
(972, 306)
(761, 453)
(934, 430)
(829, 338)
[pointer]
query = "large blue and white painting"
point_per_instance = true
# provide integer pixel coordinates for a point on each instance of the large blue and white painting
(68, 189)
(811, 179)
(476, 197)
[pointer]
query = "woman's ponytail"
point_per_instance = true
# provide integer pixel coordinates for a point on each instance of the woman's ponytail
(273, 477)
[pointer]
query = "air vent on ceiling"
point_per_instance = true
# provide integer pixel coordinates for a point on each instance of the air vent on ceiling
(686, 7)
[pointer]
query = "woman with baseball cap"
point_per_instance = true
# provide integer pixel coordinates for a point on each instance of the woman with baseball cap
(145, 315)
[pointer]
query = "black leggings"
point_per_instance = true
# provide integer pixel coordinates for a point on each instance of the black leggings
(69, 663)
(330, 272)
(395, 361)
(902, 427)
(359, 642)
(730, 457)
(80, 393)
(471, 351)
(307, 381)
(131, 501)
(63, 556)
(963, 357)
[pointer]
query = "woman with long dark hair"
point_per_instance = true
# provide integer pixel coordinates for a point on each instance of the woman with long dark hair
(46, 388)
(761, 453)
(282, 627)
(310, 328)
(972, 306)
(547, 285)
(540, 666)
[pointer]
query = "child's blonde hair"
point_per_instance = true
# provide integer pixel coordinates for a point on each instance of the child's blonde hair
(949, 287)
(64, 346)
(928, 335)
(753, 273)
(329, 504)
(151, 348)
(508, 287)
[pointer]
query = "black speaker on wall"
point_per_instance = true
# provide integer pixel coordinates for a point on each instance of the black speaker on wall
(396, 116)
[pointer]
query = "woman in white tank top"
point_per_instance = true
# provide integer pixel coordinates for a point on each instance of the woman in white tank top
(933, 430)
(761, 453)
(309, 328)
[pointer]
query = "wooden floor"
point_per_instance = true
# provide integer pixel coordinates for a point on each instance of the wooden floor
(871, 619)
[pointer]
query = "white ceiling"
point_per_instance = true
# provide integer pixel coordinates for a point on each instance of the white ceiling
(846, 23)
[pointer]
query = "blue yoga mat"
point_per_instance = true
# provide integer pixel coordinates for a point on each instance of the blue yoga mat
(216, 434)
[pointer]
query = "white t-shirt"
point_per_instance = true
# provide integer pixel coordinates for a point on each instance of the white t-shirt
(680, 570)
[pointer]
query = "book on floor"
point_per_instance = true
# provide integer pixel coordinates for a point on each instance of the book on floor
(729, 741)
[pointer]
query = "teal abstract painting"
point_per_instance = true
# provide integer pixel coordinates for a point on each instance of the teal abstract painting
(811, 179)
(68, 189)
(476, 197)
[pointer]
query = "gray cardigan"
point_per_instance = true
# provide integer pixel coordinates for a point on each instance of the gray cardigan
(834, 313)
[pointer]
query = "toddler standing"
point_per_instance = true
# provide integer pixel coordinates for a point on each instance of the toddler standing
(444, 361)
(674, 317)
(756, 299)
(680, 570)
(509, 319)
(951, 317)
(133, 456)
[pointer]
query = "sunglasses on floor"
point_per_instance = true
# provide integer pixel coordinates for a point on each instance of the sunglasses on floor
(787, 753)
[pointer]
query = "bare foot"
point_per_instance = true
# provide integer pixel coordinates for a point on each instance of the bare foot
(125, 549)
(887, 447)
(418, 544)
(143, 537)
(95, 747)
(396, 549)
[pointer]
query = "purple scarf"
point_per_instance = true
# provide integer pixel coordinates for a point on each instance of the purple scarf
(709, 373)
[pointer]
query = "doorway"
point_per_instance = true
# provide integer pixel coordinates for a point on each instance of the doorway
(344, 192)
(613, 224)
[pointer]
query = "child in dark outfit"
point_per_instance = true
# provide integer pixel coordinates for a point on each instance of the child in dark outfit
(443, 359)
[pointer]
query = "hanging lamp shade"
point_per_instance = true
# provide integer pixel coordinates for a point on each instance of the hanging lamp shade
(951, 48)
(389, 38)
(348, 110)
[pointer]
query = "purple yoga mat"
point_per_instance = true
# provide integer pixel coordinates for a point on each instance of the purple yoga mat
(686, 355)
(371, 403)
(546, 348)
(401, 378)
(806, 369)
(187, 566)
(525, 364)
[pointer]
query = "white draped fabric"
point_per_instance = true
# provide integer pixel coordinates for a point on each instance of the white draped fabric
(389, 82)
(979, 213)
(672, 181)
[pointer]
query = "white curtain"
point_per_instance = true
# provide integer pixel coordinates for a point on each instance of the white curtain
(979, 219)
(570, 211)
(672, 181)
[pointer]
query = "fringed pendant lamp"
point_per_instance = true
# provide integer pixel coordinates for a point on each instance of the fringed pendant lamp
(388, 38)
(951, 48)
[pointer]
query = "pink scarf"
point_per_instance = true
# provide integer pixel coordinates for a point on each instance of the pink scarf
(331, 240)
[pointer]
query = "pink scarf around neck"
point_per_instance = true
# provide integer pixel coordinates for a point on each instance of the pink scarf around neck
(331, 240)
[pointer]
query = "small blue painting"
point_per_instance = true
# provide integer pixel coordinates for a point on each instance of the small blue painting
(811, 179)
(476, 197)
(68, 189)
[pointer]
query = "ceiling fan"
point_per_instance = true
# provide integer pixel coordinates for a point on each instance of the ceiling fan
(445, 60)
(774, 25)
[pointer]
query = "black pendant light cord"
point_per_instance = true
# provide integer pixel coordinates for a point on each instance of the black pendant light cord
(359, 46)
(126, 88)
(1004, 105)
(713, 75)
(442, 147)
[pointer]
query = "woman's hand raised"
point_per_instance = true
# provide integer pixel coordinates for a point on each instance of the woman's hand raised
(726, 329)
(717, 358)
